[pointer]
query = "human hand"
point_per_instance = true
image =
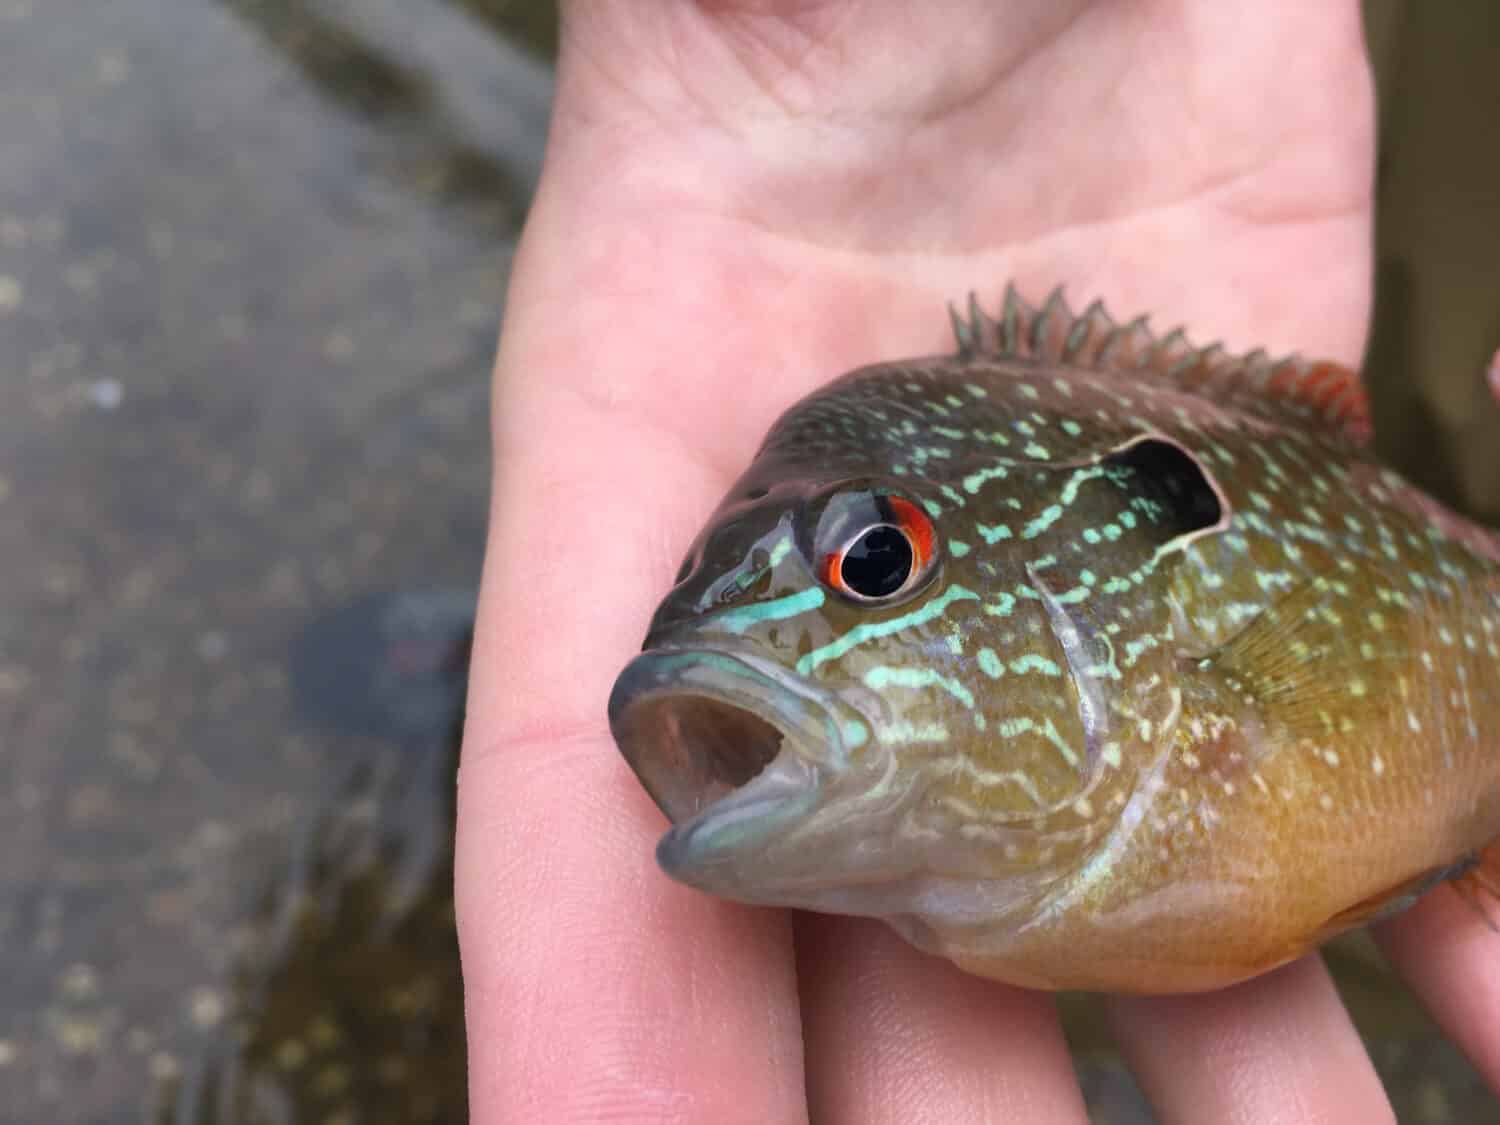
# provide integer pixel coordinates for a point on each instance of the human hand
(741, 200)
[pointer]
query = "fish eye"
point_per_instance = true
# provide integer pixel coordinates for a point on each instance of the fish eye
(877, 563)
(882, 559)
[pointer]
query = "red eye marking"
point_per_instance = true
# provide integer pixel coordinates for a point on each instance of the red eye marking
(833, 570)
(912, 520)
(870, 581)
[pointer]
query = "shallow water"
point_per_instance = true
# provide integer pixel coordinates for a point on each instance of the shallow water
(250, 273)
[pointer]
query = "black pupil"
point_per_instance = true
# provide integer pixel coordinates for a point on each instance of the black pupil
(878, 563)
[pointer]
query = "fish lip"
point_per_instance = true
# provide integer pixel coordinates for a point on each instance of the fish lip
(718, 825)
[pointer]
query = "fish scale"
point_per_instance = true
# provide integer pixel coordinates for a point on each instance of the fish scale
(1185, 683)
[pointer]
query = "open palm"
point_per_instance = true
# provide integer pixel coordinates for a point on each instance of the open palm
(742, 199)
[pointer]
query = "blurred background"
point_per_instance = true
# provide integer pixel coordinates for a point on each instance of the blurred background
(252, 256)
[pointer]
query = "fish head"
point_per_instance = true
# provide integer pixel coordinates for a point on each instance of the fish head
(912, 695)
(757, 755)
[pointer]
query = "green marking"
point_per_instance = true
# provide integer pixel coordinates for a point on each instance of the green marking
(872, 630)
(1037, 451)
(1031, 662)
(1042, 522)
(888, 676)
(974, 481)
(934, 509)
(1010, 728)
(1109, 669)
(901, 733)
(740, 618)
(1002, 606)
(957, 548)
(780, 551)
(1077, 481)
(1070, 427)
(990, 664)
(1135, 649)
(1069, 754)
(992, 535)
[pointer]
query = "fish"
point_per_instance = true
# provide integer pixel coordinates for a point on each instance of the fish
(1083, 656)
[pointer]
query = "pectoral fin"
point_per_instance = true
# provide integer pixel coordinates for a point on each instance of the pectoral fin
(1394, 900)
(1304, 662)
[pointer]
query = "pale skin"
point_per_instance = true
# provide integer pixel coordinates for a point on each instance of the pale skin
(741, 200)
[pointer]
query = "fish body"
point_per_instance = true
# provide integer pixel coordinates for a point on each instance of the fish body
(1084, 657)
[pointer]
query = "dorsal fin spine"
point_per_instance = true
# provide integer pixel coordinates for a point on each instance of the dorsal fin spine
(1303, 392)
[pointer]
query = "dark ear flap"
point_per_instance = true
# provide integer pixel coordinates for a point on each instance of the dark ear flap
(1179, 494)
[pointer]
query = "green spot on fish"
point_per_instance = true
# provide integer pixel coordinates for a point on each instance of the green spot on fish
(904, 732)
(1031, 662)
(739, 618)
(885, 676)
(1048, 517)
(990, 664)
(872, 630)
(974, 481)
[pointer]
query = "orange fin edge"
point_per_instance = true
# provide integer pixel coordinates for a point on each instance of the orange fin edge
(1331, 394)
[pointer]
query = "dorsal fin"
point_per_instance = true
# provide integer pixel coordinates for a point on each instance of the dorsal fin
(1307, 393)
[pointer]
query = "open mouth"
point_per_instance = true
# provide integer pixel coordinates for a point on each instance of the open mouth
(732, 751)
(690, 751)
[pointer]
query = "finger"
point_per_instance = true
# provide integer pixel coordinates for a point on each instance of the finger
(595, 988)
(1451, 958)
(1279, 1048)
(896, 1036)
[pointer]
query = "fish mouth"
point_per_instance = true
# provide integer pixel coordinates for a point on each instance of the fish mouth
(735, 751)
